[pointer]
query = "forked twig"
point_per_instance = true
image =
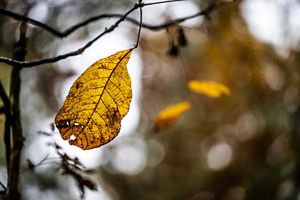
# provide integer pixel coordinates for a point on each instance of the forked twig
(27, 64)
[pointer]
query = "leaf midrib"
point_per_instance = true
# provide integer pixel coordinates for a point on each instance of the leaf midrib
(100, 96)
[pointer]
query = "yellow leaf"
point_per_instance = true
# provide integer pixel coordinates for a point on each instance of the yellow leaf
(209, 88)
(97, 101)
(169, 115)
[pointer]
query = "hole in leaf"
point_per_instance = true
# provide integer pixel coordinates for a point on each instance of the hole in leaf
(63, 123)
(72, 137)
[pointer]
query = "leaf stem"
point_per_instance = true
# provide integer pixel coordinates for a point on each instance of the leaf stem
(140, 26)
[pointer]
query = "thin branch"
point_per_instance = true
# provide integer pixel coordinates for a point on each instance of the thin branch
(68, 31)
(72, 53)
(53, 31)
(140, 27)
(4, 97)
(7, 124)
(28, 20)
(17, 133)
(2, 110)
(3, 186)
(27, 64)
(162, 2)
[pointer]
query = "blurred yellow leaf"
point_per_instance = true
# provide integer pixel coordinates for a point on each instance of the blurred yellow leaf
(169, 115)
(97, 101)
(209, 88)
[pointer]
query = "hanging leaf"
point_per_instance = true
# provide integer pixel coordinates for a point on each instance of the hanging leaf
(209, 88)
(97, 102)
(173, 49)
(169, 115)
(181, 37)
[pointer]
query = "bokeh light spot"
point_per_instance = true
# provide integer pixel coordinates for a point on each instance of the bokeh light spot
(219, 156)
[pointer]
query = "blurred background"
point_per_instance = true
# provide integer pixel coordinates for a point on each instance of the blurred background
(242, 146)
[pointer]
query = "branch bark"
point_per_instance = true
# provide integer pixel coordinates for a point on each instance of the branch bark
(7, 124)
(12, 192)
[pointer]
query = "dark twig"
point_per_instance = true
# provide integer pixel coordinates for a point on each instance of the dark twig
(2, 110)
(32, 166)
(7, 125)
(28, 20)
(12, 192)
(55, 32)
(3, 186)
(140, 27)
(4, 97)
(27, 64)
(68, 31)
(162, 2)
(73, 167)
